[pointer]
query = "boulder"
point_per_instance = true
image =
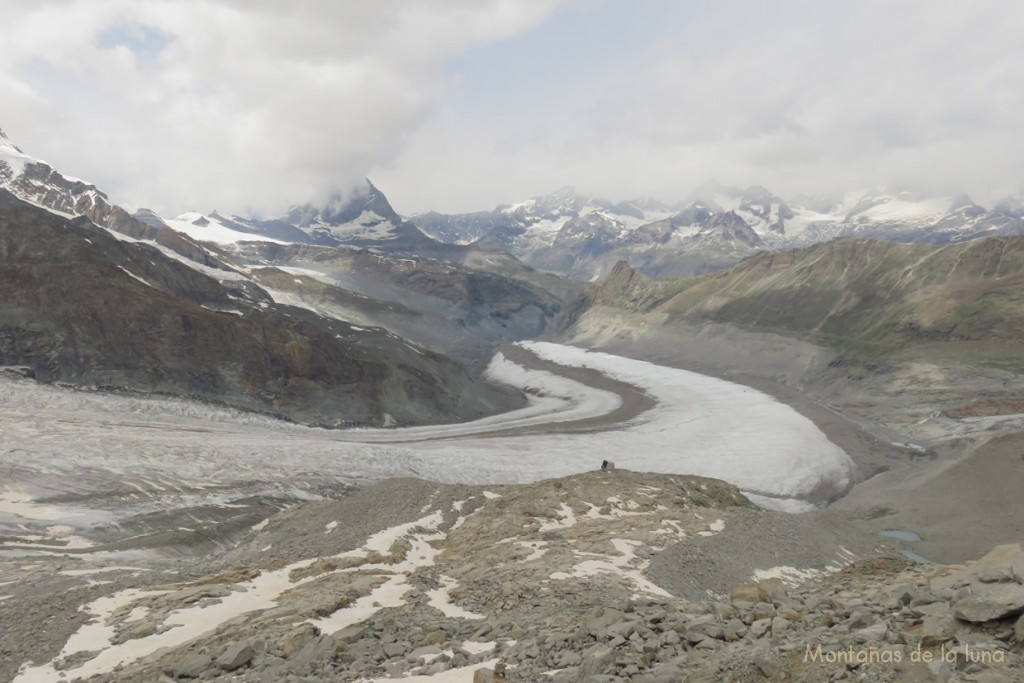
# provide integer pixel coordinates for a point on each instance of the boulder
(235, 656)
(194, 666)
(486, 675)
(749, 592)
(1002, 561)
(759, 628)
(774, 589)
(990, 601)
(932, 632)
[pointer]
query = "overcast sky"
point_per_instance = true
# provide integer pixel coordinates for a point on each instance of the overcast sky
(456, 105)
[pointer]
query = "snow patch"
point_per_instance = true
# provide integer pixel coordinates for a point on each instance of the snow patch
(791, 576)
(626, 565)
(538, 548)
(566, 519)
(440, 598)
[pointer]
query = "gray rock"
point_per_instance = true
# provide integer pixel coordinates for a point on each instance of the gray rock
(394, 649)
(568, 658)
(860, 619)
(669, 638)
(438, 667)
(871, 634)
(749, 593)
(194, 666)
(768, 666)
(602, 619)
(597, 660)
(623, 629)
(666, 673)
(991, 601)
(350, 634)
(321, 649)
(485, 675)
(707, 644)
(759, 628)
(929, 609)
(424, 651)
(734, 630)
(775, 589)
(779, 625)
(932, 632)
(235, 656)
(297, 638)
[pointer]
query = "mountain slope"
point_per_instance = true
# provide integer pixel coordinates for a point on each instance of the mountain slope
(860, 296)
(454, 310)
(83, 307)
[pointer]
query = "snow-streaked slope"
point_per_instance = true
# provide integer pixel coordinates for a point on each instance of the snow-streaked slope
(368, 226)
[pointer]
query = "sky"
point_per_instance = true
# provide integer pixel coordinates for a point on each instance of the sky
(250, 106)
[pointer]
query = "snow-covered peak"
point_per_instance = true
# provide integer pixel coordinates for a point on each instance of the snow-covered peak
(12, 160)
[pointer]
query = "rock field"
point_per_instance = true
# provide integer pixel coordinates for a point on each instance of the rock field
(595, 577)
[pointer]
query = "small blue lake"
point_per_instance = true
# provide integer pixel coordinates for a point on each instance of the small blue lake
(909, 537)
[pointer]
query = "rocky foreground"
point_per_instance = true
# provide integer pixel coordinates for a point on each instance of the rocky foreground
(598, 577)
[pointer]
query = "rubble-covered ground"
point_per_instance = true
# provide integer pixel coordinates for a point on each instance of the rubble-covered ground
(584, 578)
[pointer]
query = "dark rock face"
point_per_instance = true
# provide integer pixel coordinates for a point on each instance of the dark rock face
(79, 306)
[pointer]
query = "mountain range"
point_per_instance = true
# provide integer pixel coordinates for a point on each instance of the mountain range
(327, 329)
(713, 227)
(439, 291)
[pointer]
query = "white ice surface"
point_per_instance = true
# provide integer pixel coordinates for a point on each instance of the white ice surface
(700, 425)
(214, 231)
(705, 426)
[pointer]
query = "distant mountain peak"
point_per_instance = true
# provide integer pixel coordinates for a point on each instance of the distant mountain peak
(345, 207)
(961, 201)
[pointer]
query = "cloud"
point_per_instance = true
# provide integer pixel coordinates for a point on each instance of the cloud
(237, 104)
(800, 96)
(463, 104)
